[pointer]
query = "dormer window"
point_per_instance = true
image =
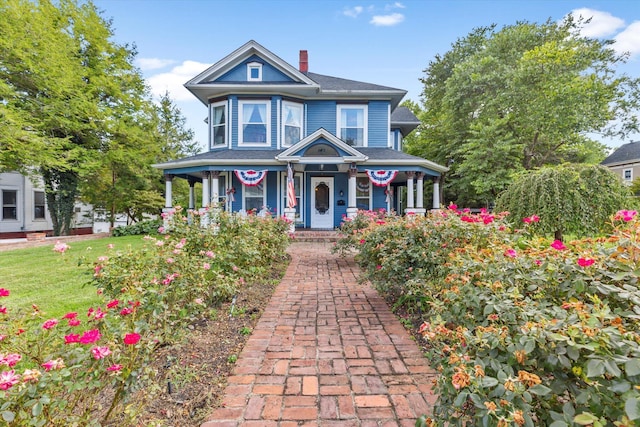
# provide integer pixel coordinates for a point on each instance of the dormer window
(254, 72)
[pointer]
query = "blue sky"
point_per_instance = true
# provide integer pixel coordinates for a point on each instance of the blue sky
(387, 43)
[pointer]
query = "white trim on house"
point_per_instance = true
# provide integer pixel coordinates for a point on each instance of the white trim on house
(212, 124)
(242, 123)
(365, 122)
(293, 105)
(251, 67)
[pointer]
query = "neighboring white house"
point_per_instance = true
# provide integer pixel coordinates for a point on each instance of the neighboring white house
(23, 208)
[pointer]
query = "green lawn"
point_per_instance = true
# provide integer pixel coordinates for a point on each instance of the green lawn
(53, 281)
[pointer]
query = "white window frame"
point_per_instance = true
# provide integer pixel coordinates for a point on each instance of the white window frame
(254, 66)
(298, 105)
(44, 206)
(365, 121)
(2, 205)
(264, 195)
(624, 178)
(370, 190)
(241, 123)
(212, 107)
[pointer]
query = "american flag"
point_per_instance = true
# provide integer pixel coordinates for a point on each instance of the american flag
(291, 189)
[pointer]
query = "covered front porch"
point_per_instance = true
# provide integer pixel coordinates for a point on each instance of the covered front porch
(316, 183)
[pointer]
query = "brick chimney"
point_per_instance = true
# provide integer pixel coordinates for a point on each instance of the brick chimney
(304, 61)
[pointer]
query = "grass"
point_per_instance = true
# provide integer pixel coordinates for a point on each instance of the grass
(57, 283)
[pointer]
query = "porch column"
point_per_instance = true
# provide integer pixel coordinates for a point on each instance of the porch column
(352, 209)
(168, 181)
(192, 193)
(206, 193)
(168, 204)
(436, 192)
(215, 187)
(420, 210)
(410, 205)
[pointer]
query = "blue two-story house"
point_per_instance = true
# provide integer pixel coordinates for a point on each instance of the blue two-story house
(314, 147)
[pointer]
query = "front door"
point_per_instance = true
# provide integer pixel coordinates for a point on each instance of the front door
(322, 202)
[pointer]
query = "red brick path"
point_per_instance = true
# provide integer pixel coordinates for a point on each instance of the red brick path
(326, 352)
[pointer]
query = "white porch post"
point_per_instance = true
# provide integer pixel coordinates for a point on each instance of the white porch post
(215, 187)
(168, 181)
(206, 193)
(206, 198)
(420, 210)
(352, 209)
(168, 203)
(410, 204)
(192, 193)
(436, 192)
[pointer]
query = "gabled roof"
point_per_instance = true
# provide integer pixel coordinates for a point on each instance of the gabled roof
(296, 151)
(307, 85)
(627, 153)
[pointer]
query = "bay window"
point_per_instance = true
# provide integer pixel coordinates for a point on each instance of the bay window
(219, 124)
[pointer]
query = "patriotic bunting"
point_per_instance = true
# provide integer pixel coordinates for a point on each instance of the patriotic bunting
(381, 178)
(250, 178)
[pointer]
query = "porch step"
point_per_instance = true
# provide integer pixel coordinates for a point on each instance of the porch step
(316, 236)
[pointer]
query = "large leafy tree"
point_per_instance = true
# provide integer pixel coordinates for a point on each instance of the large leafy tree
(75, 110)
(125, 182)
(569, 198)
(524, 96)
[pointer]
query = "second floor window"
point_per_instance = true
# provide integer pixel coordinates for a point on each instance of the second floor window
(352, 120)
(254, 119)
(292, 122)
(628, 175)
(218, 124)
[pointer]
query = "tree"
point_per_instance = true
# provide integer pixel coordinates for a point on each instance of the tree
(125, 182)
(71, 101)
(525, 96)
(570, 198)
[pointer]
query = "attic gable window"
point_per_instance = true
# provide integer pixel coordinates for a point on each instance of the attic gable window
(254, 72)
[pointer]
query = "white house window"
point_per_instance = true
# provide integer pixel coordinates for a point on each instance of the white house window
(218, 124)
(292, 123)
(254, 197)
(627, 175)
(363, 193)
(254, 72)
(9, 205)
(255, 119)
(38, 205)
(352, 127)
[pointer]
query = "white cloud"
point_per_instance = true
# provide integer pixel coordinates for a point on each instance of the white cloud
(174, 80)
(396, 5)
(353, 12)
(629, 40)
(602, 24)
(387, 20)
(146, 64)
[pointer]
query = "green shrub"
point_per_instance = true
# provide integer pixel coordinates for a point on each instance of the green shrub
(150, 226)
(524, 331)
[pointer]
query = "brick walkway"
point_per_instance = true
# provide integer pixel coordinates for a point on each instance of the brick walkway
(326, 352)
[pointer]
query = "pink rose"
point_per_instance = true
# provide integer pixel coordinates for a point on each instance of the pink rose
(131, 339)
(100, 352)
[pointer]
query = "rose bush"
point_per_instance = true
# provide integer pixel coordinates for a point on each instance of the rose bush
(523, 331)
(80, 369)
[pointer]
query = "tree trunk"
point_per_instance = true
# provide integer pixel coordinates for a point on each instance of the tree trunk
(61, 189)
(558, 235)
